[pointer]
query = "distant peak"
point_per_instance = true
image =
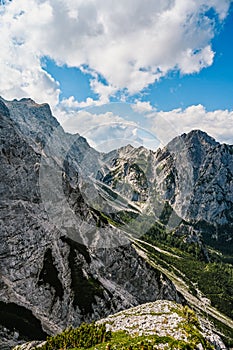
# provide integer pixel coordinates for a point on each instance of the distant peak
(194, 137)
(31, 102)
(25, 99)
(27, 102)
(199, 135)
(127, 148)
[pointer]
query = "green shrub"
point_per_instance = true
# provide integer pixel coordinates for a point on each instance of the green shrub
(86, 336)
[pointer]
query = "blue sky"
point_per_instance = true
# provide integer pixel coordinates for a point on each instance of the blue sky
(212, 87)
(125, 71)
(72, 81)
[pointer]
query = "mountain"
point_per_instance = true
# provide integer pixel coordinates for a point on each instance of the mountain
(87, 234)
(49, 278)
(193, 174)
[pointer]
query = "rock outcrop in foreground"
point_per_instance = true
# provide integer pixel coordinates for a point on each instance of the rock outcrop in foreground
(164, 319)
(161, 324)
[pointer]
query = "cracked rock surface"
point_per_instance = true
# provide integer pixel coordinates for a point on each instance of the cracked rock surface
(48, 278)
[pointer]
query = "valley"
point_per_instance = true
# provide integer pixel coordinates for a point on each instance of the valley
(87, 235)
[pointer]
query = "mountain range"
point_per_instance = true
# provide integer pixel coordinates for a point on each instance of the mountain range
(86, 234)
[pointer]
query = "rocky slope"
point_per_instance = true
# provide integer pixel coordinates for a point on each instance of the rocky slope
(164, 319)
(160, 325)
(193, 174)
(69, 216)
(49, 278)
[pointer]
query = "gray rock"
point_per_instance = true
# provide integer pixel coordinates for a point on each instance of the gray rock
(49, 278)
(193, 173)
(62, 262)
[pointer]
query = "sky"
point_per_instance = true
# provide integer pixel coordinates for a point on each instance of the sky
(119, 72)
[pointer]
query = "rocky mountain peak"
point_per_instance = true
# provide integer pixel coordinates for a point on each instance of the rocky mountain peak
(196, 141)
(127, 148)
(199, 136)
(27, 113)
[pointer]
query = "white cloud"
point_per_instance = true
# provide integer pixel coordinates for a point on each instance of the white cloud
(103, 90)
(72, 104)
(103, 131)
(84, 122)
(142, 107)
(106, 131)
(21, 72)
(127, 42)
(113, 129)
(166, 125)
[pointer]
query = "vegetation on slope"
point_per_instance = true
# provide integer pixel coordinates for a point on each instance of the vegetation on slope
(96, 337)
(84, 337)
(211, 281)
(213, 278)
(207, 272)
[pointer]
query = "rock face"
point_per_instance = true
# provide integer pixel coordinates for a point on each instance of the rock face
(163, 318)
(62, 260)
(49, 278)
(193, 174)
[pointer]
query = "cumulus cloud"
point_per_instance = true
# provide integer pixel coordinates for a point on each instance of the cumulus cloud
(108, 130)
(121, 126)
(130, 47)
(218, 123)
(20, 65)
(142, 107)
(104, 131)
(84, 122)
(72, 104)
